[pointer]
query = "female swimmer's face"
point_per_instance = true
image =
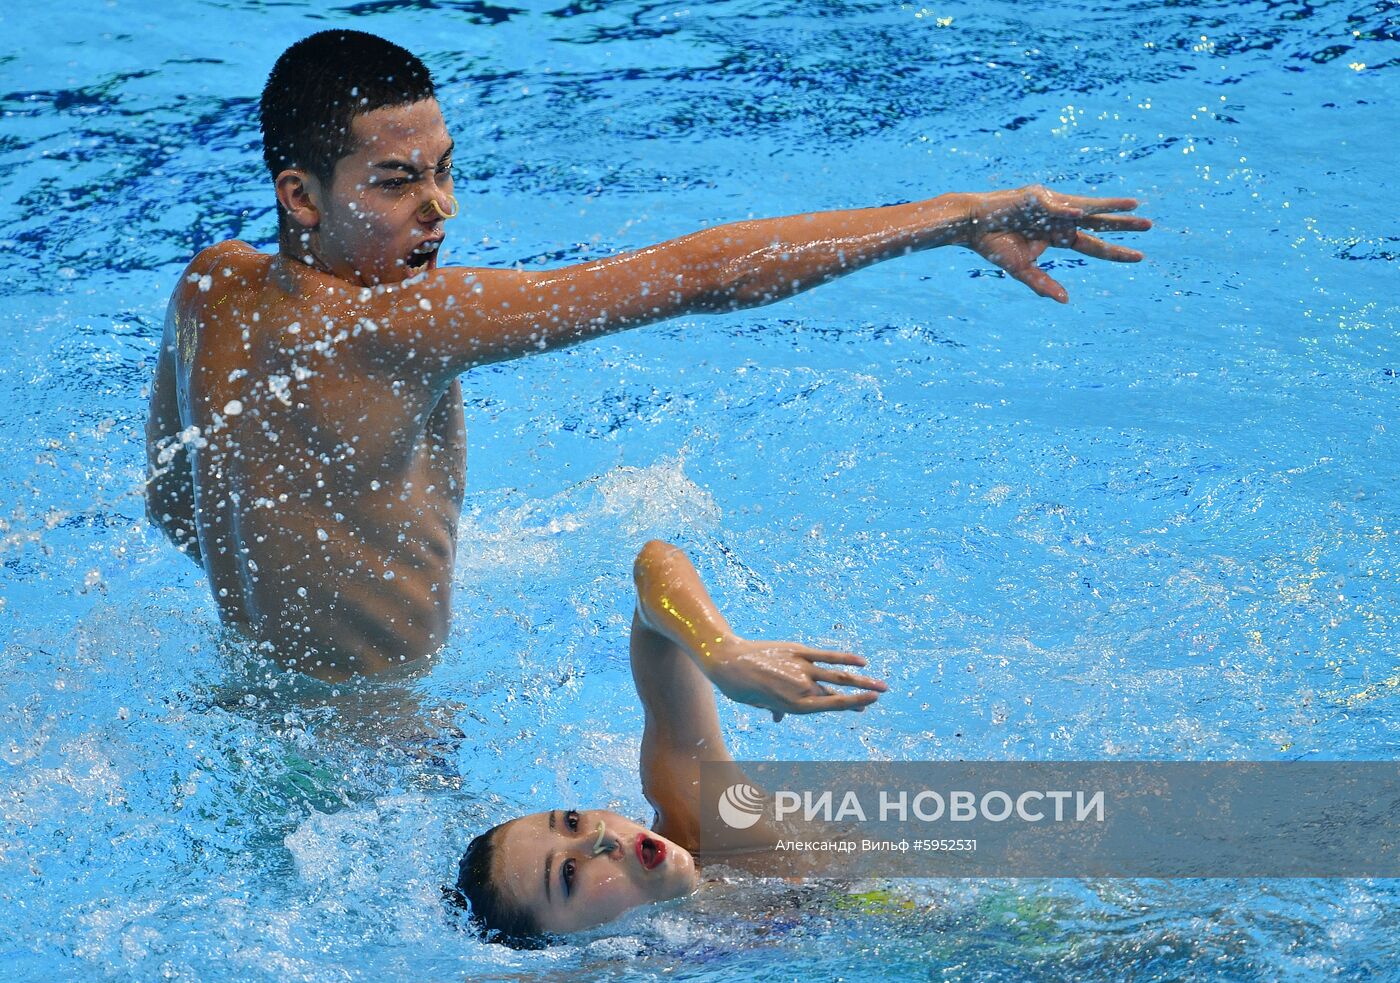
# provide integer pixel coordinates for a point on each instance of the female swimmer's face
(573, 870)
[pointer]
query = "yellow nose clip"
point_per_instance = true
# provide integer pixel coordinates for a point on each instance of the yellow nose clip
(437, 207)
(598, 843)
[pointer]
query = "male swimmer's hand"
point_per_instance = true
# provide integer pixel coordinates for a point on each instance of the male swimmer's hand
(1012, 229)
(784, 677)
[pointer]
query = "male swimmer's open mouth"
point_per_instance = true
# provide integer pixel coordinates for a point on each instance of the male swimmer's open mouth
(423, 254)
(651, 852)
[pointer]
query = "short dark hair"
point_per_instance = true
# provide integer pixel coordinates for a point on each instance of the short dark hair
(477, 893)
(320, 84)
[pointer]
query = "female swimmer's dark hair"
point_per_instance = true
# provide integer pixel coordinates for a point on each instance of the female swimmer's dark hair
(476, 893)
(323, 82)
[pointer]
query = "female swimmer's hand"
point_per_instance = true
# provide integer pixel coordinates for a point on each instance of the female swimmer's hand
(785, 677)
(1012, 229)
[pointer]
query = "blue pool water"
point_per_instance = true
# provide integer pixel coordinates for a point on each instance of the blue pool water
(1157, 523)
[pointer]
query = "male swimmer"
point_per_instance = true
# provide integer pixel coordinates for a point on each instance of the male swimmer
(567, 870)
(305, 442)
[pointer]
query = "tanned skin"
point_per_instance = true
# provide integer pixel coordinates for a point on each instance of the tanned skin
(306, 439)
(573, 869)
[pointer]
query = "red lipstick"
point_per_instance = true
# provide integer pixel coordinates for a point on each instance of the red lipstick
(651, 852)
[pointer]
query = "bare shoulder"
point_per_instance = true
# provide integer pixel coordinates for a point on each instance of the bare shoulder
(200, 298)
(230, 251)
(230, 258)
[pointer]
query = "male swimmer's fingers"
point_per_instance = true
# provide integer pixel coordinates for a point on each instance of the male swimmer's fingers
(1097, 248)
(1041, 282)
(837, 701)
(1092, 205)
(839, 678)
(1116, 223)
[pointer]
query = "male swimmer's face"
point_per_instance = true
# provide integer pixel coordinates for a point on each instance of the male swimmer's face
(379, 223)
(573, 870)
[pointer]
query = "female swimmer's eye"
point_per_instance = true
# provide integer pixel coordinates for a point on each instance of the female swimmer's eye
(567, 870)
(571, 818)
(393, 182)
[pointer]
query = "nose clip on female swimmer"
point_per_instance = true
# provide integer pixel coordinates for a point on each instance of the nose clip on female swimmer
(598, 843)
(433, 205)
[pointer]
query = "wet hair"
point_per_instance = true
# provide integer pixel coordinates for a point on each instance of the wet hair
(320, 84)
(493, 916)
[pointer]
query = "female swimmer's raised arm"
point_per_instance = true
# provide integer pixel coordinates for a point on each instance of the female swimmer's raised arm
(680, 645)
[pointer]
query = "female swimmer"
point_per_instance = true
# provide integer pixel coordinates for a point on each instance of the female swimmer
(567, 870)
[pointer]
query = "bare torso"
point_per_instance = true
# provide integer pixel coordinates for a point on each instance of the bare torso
(323, 492)
(327, 481)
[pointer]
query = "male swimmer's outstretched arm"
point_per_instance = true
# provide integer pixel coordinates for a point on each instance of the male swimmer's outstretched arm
(681, 644)
(457, 318)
